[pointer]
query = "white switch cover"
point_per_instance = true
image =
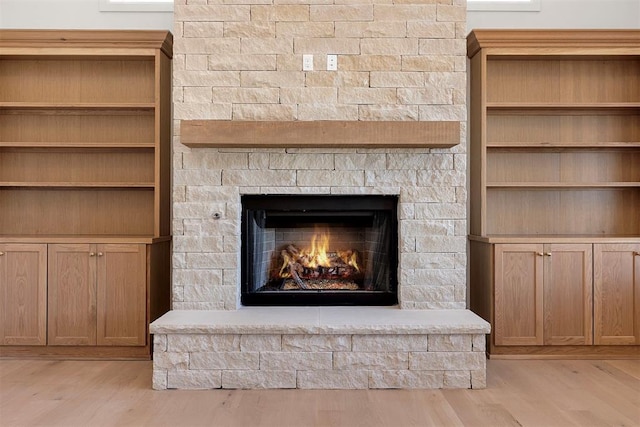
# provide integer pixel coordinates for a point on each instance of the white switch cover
(307, 62)
(332, 62)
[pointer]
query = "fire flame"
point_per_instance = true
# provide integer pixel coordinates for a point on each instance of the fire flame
(318, 255)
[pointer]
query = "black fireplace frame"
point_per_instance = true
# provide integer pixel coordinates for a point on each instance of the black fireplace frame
(350, 206)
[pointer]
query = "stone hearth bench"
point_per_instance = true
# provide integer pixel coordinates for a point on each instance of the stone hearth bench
(319, 348)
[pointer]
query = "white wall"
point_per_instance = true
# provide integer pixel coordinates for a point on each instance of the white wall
(87, 14)
(563, 14)
(76, 14)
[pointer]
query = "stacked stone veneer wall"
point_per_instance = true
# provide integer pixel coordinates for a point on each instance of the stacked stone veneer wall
(242, 60)
(398, 60)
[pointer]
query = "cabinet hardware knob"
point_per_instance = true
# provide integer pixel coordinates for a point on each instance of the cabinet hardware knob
(547, 254)
(100, 254)
(1, 253)
(635, 253)
(92, 254)
(539, 253)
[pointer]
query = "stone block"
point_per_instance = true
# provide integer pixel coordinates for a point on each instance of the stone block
(479, 378)
(427, 261)
(224, 360)
(212, 13)
(358, 161)
(428, 95)
(202, 29)
(406, 379)
(254, 29)
(370, 62)
(327, 112)
(309, 95)
(370, 360)
(480, 343)
(305, 29)
(159, 343)
(442, 46)
(200, 342)
(405, 12)
(260, 177)
(329, 379)
(194, 380)
(419, 161)
(390, 178)
(261, 342)
(204, 46)
(171, 360)
(272, 79)
(446, 361)
(337, 13)
(442, 244)
(159, 379)
(428, 293)
(278, 361)
(436, 63)
(371, 29)
(389, 46)
(280, 12)
(388, 112)
(258, 46)
(258, 379)
(397, 79)
(324, 45)
(328, 177)
(212, 260)
(315, 343)
(438, 211)
(238, 62)
(268, 112)
(455, 342)
(457, 379)
(340, 79)
(452, 13)
(301, 161)
(200, 111)
(389, 343)
(431, 30)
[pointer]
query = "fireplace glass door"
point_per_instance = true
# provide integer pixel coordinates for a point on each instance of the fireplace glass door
(319, 250)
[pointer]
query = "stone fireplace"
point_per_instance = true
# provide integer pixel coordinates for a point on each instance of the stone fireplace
(390, 122)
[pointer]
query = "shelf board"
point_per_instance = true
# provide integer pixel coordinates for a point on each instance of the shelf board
(561, 106)
(78, 185)
(81, 238)
(561, 185)
(559, 238)
(107, 106)
(570, 145)
(79, 145)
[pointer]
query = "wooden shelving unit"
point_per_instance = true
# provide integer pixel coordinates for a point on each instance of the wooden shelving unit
(85, 157)
(555, 179)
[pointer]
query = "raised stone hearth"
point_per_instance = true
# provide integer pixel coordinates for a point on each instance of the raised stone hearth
(319, 348)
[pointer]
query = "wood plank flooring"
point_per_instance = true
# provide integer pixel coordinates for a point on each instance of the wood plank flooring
(519, 393)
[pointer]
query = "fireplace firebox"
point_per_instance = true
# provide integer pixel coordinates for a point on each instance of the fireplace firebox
(319, 250)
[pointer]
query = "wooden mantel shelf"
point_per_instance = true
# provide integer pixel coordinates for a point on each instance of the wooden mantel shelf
(334, 134)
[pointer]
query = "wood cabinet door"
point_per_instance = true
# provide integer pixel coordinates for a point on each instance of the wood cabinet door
(568, 284)
(518, 313)
(122, 294)
(72, 295)
(23, 293)
(616, 306)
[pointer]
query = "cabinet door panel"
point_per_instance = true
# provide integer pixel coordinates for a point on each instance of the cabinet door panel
(122, 294)
(23, 292)
(617, 294)
(72, 295)
(568, 294)
(518, 294)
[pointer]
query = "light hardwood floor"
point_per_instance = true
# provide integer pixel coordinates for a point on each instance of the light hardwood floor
(519, 393)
